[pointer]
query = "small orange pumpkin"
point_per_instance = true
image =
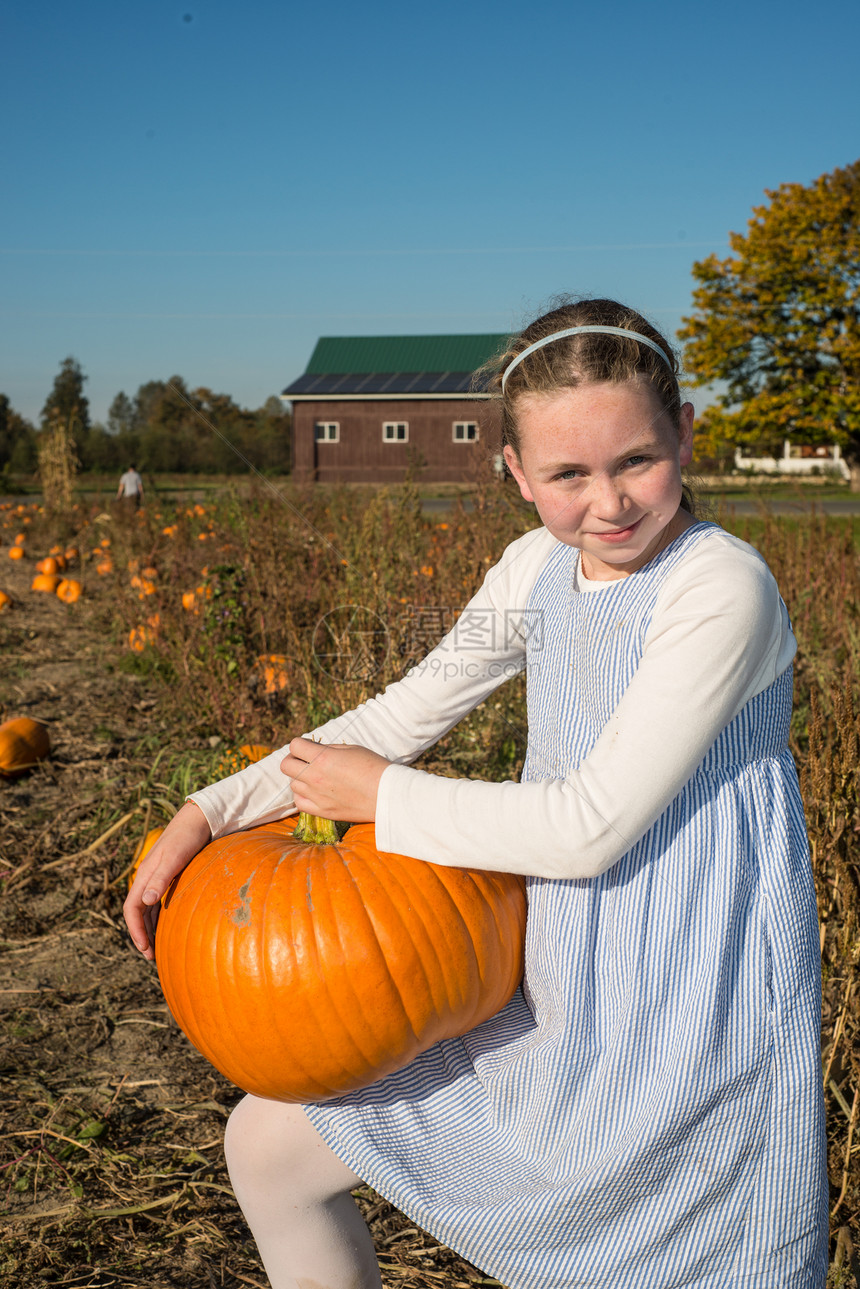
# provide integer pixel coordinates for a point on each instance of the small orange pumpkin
(303, 970)
(274, 670)
(140, 637)
(252, 752)
(51, 564)
(16, 552)
(144, 846)
(46, 582)
(6, 601)
(23, 743)
(69, 590)
(236, 759)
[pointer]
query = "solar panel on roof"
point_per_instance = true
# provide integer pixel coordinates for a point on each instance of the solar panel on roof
(374, 383)
(452, 382)
(330, 384)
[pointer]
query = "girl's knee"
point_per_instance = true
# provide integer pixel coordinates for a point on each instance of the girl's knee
(269, 1142)
(257, 1135)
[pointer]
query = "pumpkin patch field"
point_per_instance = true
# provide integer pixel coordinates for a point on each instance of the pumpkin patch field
(188, 640)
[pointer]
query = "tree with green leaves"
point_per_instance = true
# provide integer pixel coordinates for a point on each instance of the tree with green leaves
(270, 450)
(121, 418)
(778, 321)
(67, 401)
(17, 440)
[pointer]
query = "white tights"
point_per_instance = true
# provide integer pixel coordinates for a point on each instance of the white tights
(295, 1194)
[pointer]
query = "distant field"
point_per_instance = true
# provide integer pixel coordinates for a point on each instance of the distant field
(172, 487)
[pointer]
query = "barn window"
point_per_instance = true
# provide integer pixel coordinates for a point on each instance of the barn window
(465, 431)
(327, 431)
(395, 431)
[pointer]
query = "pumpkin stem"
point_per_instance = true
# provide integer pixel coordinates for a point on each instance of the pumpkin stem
(318, 831)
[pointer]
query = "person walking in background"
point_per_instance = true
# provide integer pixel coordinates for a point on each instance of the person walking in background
(130, 489)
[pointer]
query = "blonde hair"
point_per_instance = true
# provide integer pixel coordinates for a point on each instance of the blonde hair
(585, 358)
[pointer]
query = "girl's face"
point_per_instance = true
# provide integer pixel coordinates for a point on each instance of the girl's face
(602, 464)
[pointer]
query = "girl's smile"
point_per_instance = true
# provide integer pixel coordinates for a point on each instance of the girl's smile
(602, 464)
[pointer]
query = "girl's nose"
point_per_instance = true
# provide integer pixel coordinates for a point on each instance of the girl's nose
(607, 496)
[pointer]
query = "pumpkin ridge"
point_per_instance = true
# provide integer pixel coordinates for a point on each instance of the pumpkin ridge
(227, 948)
(391, 874)
(494, 894)
(485, 974)
(304, 908)
(428, 919)
(321, 1016)
(454, 882)
(392, 990)
(282, 1018)
(301, 906)
(184, 1012)
(276, 897)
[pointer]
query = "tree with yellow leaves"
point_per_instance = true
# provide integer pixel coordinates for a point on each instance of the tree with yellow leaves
(778, 321)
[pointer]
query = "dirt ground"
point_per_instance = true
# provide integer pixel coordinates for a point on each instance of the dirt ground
(111, 1162)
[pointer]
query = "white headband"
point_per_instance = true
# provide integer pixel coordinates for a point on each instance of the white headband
(574, 331)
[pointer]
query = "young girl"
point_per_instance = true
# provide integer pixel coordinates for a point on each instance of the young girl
(647, 1110)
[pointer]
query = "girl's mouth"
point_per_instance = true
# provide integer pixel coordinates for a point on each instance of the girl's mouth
(619, 535)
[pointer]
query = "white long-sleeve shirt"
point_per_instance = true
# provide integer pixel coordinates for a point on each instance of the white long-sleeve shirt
(719, 635)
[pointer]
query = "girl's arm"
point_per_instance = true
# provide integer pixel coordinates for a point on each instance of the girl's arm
(184, 836)
(485, 648)
(720, 634)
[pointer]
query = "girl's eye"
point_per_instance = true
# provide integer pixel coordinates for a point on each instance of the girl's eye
(636, 460)
(570, 474)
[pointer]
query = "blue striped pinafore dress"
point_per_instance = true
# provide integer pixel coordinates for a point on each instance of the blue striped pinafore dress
(646, 1113)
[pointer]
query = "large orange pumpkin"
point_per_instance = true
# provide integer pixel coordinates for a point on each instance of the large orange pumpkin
(304, 970)
(23, 743)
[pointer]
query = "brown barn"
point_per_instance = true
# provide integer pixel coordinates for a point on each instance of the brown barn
(369, 408)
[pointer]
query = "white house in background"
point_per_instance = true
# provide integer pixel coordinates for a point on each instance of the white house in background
(796, 459)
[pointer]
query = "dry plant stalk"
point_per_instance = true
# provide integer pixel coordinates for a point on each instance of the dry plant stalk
(830, 778)
(58, 463)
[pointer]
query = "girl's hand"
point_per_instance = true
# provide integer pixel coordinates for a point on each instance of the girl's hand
(336, 781)
(185, 835)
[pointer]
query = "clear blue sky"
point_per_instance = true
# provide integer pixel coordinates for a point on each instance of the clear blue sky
(203, 188)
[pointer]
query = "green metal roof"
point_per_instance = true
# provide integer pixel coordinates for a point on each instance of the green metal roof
(358, 354)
